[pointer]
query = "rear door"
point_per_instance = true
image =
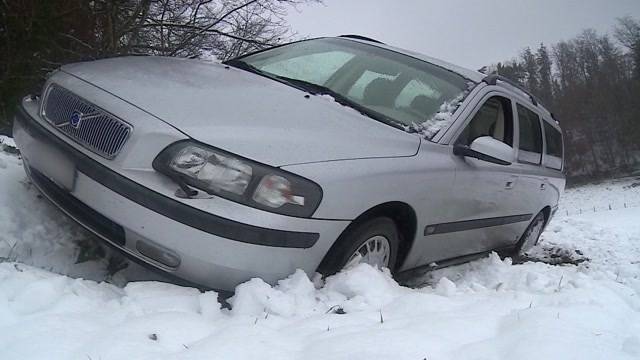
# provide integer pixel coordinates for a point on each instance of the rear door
(530, 144)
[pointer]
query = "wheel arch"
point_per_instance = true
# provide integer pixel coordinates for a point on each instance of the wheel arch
(404, 217)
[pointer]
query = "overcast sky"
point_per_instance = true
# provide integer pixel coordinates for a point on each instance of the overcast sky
(466, 32)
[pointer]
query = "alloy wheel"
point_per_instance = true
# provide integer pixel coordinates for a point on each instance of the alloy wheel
(375, 251)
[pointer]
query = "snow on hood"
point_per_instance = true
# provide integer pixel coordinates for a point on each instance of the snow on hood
(245, 113)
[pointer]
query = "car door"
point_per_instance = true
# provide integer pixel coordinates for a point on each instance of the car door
(530, 144)
(485, 195)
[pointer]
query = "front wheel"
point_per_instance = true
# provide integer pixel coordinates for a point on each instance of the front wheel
(374, 242)
(531, 235)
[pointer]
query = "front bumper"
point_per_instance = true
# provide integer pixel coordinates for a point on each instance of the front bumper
(165, 233)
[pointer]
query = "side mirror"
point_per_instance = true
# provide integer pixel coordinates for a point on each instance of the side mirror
(488, 149)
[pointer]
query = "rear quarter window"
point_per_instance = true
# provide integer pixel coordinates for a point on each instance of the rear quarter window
(553, 139)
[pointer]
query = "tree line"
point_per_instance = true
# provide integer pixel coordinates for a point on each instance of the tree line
(592, 85)
(38, 36)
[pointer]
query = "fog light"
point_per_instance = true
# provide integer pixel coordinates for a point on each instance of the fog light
(157, 253)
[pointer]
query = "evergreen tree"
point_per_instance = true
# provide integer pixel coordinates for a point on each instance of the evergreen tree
(545, 89)
(592, 85)
(512, 70)
(531, 70)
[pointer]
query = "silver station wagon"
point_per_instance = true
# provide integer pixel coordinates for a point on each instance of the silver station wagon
(313, 155)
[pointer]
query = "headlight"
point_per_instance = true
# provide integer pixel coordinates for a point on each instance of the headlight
(212, 171)
(232, 177)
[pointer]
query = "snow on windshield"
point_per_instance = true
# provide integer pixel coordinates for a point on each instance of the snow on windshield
(441, 119)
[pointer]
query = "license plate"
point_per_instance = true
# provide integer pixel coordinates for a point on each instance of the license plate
(53, 164)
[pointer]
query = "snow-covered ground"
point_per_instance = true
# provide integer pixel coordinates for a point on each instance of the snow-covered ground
(608, 195)
(486, 309)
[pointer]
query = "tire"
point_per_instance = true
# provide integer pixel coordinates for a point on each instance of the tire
(354, 239)
(531, 235)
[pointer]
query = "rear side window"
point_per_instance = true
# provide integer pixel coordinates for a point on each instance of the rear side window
(553, 139)
(530, 136)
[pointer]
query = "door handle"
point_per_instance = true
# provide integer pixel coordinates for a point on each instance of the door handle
(511, 182)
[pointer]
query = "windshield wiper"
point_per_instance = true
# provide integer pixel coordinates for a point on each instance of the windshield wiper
(250, 68)
(316, 89)
(312, 88)
(244, 66)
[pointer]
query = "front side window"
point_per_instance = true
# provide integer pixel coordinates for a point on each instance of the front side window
(553, 139)
(530, 149)
(493, 119)
(388, 86)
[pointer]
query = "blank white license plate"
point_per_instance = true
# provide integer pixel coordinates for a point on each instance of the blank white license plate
(53, 164)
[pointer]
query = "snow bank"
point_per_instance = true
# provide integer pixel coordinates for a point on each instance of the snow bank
(34, 232)
(6, 141)
(487, 309)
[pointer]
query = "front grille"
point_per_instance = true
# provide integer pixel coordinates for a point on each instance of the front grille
(92, 127)
(82, 213)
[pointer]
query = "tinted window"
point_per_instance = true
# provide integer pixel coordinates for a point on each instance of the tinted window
(493, 119)
(530, 136)
(553, 139)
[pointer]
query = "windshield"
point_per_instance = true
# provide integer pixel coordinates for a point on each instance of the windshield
(386, 85)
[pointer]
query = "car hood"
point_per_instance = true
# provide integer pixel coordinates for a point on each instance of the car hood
(244, 113)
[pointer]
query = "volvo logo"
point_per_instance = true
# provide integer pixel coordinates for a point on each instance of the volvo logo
(75, 119)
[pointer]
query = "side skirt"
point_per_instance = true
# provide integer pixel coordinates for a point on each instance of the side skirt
(474, 224)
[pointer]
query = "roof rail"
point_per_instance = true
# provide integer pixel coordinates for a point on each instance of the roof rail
(360, 37)
(492, 79)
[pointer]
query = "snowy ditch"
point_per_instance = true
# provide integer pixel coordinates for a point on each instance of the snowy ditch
(64, 297)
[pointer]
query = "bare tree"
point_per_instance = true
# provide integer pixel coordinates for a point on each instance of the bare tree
(185, 27)
(628, 32)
